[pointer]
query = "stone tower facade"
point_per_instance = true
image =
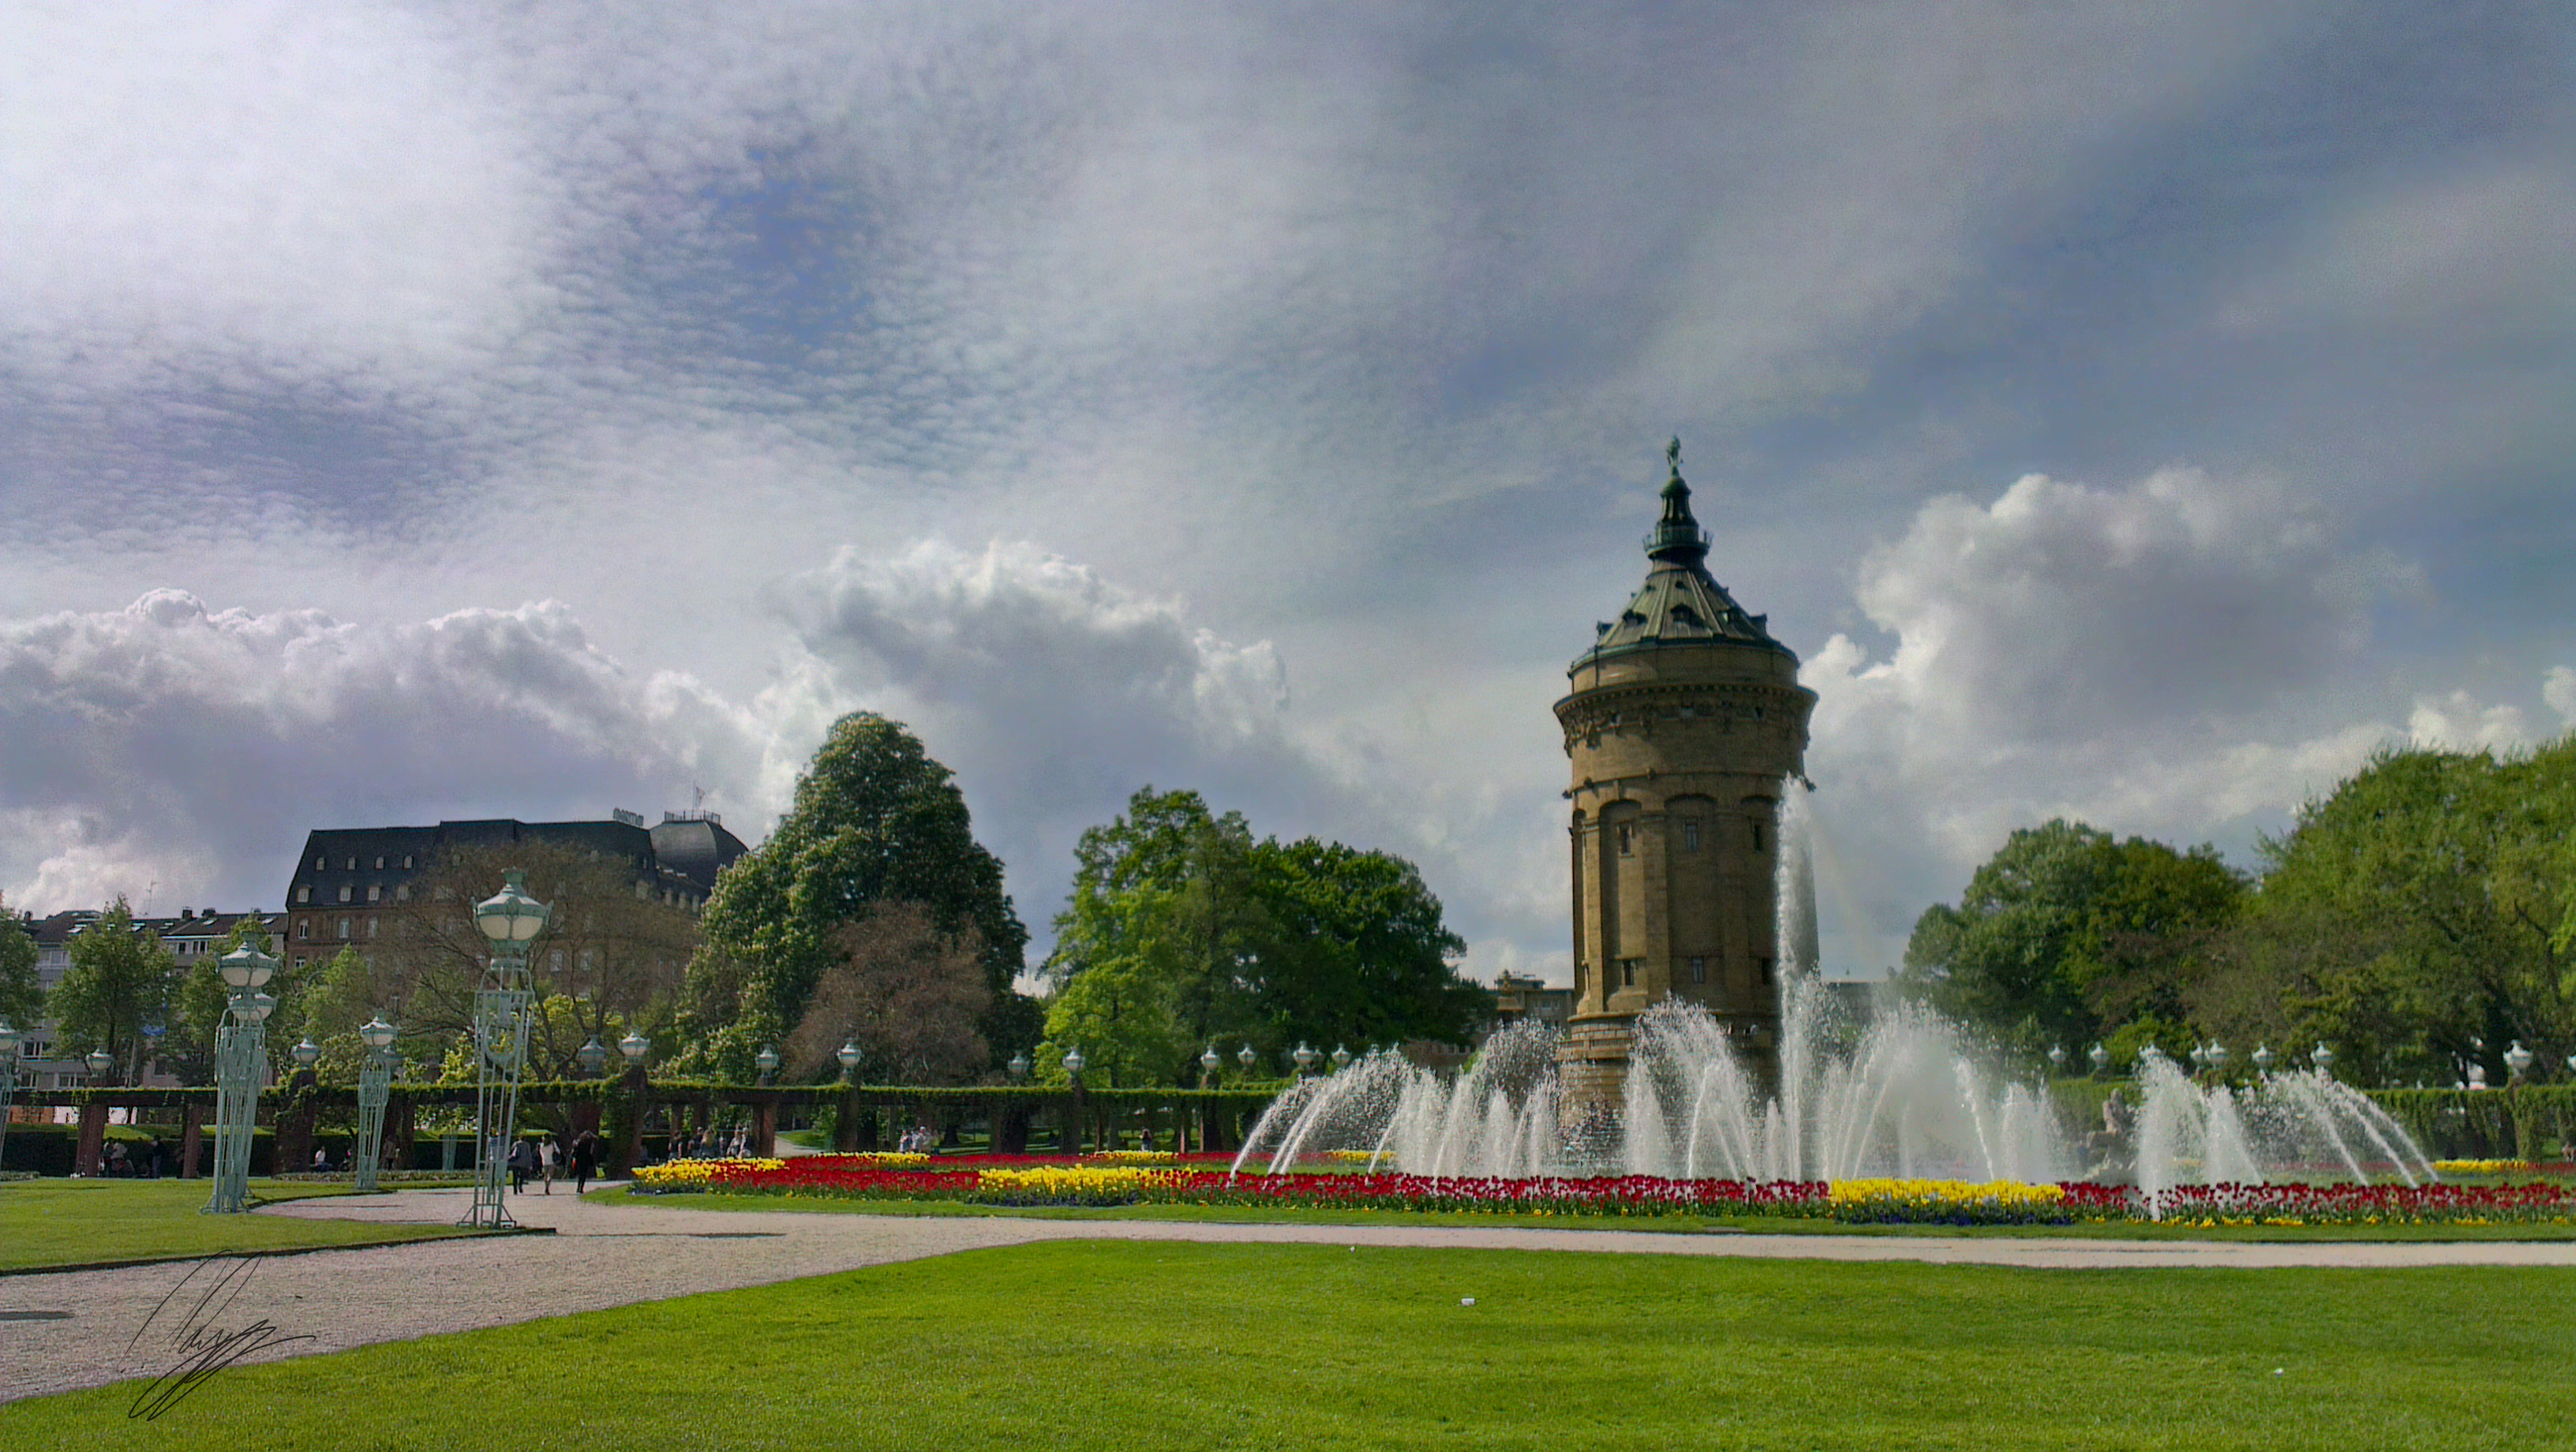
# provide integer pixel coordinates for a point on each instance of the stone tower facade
(1684, 718)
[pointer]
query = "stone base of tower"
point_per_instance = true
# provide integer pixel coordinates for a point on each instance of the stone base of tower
(1592, 1067)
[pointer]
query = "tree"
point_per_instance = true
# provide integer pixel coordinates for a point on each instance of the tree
(22, 998)
(908, 995)
(2068, 936)
(1183, 930)
(198, 1003)
(616, 959)
(875, 820)
(120, 979)
(2418, 916)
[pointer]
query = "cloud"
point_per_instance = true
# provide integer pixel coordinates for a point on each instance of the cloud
(2559, 690)
(168, 744)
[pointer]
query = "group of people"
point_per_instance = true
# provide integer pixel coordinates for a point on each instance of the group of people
(117, 1162)
(544, 1158)
(708, 1144)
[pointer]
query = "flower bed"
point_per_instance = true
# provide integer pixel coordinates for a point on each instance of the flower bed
(1858, 1202)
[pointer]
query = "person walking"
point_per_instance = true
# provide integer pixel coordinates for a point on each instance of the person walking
(522, 1160)
(546, 1155)
(585, 1160)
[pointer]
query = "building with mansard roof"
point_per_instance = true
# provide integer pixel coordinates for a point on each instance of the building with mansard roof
(347, 878)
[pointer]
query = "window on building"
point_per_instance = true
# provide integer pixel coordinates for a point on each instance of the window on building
(374, 893)
(406, 862)
(1699, 970)
(319, 864)
(380, 864)
(344, 929)
(304, 894)
(344, 892)
(1757, 836)
(304, 928)
(402, 892)
(353, 864)
(371, 927)
(1764, 964)
(1627, 839)
(1690, 836)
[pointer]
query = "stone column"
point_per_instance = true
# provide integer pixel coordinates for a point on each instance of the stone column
(192, 1137)
(90, 1159)
(764, 1127)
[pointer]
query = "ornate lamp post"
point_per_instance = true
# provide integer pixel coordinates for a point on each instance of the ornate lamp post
(767, 1062)
(1209, 1063)
(1305, 1058)
(2322, 1058)
(99, 1062)
(1249, 1060)
(8, 1077)
(2517, 1061)
(1072, 1136)
(2101, 1060)
(849, 1056)
(375, 1086)
(591, 1055)
(1018, 1068)
(2217, 1057)
(509, 919)
(307, 1054)
(2263, 1059)
(1341, 1057)
(241, 1061)
(2057, 1059)
(632, 1049)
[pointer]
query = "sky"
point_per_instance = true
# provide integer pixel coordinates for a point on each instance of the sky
(2132, 413)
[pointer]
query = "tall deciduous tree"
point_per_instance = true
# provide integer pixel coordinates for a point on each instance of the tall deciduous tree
(1183, 930)
(2068, 935)
(875, 820)
(198, 1003)
(909, 996)
(22, 998)
(120, 979)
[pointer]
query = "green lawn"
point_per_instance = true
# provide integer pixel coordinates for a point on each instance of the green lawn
(1666, 1224)
(84, 1222)
(1138, 1347)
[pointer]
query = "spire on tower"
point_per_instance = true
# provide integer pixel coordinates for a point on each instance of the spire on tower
(1677, 537)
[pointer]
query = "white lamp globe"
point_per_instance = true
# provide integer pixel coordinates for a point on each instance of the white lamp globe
(510, 915)
(377, 1034)
(246, 967)
(634, 1046)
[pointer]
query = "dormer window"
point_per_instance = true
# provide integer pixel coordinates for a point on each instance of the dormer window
(374, 893)
(406, 862)
(353, 864)
(380, 864)
(304, 894)
(320, 864)
(344, 892)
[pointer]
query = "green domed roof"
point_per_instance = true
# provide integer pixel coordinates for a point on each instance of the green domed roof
(1680, 604)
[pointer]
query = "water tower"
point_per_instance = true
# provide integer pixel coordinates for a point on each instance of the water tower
(1684, 719)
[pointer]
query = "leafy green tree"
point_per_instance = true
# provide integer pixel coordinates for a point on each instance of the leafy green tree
(875, 820)
(197, 1004)
(120, 979)
(1183, 930)
(2418, 917)
(1354, 951)
(22, 998)
(2068, 936)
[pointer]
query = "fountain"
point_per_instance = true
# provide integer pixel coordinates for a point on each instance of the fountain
(1907, 1097)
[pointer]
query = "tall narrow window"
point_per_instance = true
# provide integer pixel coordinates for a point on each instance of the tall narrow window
(304, 894)
(1628, 973)
(1690, 836)
(344, 928)
(1699, 970)
(304, 928)
(1757, 836)
(372, 924)
(319, 864)
(353, 864)
(344, 892)
(1627, 839)
(380, 864)
(375, 893)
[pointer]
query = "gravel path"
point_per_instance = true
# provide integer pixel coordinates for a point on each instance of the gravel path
(86, 1328)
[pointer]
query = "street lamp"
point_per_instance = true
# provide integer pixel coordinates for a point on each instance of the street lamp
(849, 1056)
(2516, 1060)
(509, 920)
(2057, 1058)
(1209, 1063)
(2322, 1058)
(1073, 1062)
(1248, 1059)
(766, 1061)
(1018, 1067)
(241, 1061)
(2217, 1057)
(2262, 1058)
(375, 1084)
(1305, 1058)
(99, 1061)
(2101, 1058)
(307, 1054)
(634, 1046)
(592, 1055)
(1341, 1058)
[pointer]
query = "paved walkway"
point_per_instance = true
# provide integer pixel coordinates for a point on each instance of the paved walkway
(85, 1328)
